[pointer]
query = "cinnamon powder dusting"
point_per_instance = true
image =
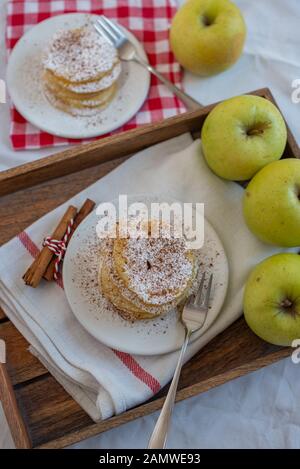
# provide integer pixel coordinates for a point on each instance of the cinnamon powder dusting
(79, 55)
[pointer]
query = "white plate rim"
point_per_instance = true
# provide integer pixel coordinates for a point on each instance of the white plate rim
(25, 112)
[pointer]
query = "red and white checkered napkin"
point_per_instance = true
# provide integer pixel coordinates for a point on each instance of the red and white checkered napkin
(149, 20)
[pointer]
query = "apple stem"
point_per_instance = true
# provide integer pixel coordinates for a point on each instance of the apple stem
(257, 129)
(288, 307)
(286, 303)
(207, 21)
(255, 132)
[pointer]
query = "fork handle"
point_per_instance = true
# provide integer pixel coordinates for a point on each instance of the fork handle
(159, 435)
(190, 103)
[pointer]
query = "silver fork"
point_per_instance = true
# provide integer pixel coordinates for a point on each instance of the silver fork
(193, 318)
(127, 52)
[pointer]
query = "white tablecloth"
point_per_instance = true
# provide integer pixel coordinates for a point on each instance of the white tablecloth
(260, 410)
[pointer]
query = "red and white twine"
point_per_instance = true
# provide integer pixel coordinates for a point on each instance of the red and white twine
(58, 247)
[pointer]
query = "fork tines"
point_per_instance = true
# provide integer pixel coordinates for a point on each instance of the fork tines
(109, 30)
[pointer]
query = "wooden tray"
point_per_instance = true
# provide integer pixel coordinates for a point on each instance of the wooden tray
(40, 413)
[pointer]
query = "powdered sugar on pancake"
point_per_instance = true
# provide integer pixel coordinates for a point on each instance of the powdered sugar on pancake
(154, 262)
(98, 85)
(157, 268)
(107, 259)
(79, 55)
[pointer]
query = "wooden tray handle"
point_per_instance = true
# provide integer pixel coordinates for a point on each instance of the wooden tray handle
(12, 412)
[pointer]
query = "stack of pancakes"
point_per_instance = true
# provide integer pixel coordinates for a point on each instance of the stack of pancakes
(144, 277)
(81, 70)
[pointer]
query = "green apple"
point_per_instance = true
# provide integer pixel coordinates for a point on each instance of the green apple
(272, 299)
(207, 36)
(241, 135)
(272, 203)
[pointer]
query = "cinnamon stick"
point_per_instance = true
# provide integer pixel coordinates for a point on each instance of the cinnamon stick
(85, 210)
(35, 272)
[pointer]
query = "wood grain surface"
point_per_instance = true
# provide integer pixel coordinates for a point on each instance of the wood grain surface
(21, 365)
(52, 417)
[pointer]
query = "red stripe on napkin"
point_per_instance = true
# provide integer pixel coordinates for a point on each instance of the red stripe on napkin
(29, 244)
(149, 20)
(138, 371)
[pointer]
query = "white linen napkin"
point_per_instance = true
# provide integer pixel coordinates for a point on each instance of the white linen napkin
(104, 381)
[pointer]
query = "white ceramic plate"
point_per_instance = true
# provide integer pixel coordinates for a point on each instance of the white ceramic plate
(25, 86)
(157, 336)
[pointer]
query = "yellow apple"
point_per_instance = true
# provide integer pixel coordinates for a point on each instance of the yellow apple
(272, 203)
(272, 299)
(207, 36)
(241, 135)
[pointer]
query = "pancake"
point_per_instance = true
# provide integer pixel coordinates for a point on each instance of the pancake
(127, 308)
(81, 70)
(85, 99)
(80, 108)
(80, 55)
(82, 89)
(157, 270)
(115, 290)
(141, 292)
